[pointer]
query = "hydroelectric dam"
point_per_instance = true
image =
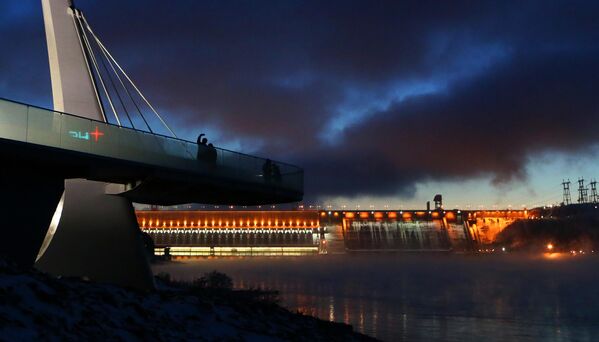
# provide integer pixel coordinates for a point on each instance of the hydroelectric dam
(185, 233)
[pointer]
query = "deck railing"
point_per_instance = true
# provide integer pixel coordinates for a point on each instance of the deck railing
(31, 124)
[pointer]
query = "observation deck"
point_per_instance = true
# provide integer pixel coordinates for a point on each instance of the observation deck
(155, 169)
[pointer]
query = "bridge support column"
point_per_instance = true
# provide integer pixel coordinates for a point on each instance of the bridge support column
(98, 237)
(27, 205)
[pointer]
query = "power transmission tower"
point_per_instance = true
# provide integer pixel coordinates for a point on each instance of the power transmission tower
(594, 196)
(567, 197)
(582, 191)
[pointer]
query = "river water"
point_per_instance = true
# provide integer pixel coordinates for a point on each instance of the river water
(406, 297)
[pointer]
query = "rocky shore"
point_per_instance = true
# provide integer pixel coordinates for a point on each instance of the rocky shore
(38, 307)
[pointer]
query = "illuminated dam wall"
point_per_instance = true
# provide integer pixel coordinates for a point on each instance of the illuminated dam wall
(484, 226)
(205, 233)
(199, 233)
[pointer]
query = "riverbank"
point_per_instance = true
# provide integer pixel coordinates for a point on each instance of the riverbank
(35, 306)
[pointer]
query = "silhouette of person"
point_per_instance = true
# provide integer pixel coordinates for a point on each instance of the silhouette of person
(212, 153)
(202, 141)
(202, 148)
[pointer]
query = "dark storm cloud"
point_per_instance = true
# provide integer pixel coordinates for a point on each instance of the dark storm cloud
(24, 71)
(370, 96)
(489, 125)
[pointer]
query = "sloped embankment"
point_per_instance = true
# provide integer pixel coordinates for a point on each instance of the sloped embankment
(35, 306)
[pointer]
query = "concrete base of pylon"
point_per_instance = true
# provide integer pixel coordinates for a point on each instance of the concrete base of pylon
(98, 237)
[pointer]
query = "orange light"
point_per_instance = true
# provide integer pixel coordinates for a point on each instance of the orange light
(392, 215)
(450, 215)
(323, 214)
(335, 214)
(363, 214)
(349, 215)
(435, 214)
(406, 215)
(378, 215)
(550, 246)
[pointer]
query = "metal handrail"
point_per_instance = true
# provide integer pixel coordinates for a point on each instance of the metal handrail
(299, 169)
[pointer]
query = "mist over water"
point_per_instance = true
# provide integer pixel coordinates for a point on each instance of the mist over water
(429, 297)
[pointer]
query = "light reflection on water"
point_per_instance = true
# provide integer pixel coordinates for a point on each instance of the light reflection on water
(427, 297)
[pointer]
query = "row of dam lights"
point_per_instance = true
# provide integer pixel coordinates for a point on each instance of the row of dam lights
(394, 215)
(229, 231)
(213, 223)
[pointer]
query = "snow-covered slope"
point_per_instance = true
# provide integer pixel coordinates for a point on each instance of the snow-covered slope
(37, 307)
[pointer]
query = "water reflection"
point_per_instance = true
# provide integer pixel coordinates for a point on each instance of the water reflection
(429, 298)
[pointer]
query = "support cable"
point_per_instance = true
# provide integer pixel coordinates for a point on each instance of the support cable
(116, 91)
(93, 58)
(111, 58)
(115, 72)
(89, 70)
(127, 77)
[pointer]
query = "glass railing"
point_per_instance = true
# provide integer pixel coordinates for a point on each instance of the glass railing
(36, 125)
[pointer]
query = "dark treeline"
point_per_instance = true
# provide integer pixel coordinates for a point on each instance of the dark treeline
(565, 234)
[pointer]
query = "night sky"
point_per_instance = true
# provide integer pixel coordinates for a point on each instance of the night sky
(382, 102)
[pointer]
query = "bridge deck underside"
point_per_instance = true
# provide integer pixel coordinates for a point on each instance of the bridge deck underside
(153, 185)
